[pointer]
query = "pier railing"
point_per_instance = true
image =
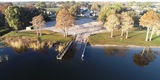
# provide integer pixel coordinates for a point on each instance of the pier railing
(63, 52)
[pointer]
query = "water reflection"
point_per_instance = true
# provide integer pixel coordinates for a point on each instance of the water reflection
(144, 57)
(111, 51)
(19, 51)
(43, 50)
(31, 63)
(70, 53)
(22, 50)
(3, 58)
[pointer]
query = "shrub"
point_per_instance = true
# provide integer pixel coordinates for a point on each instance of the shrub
(60, 47)
(37, 45)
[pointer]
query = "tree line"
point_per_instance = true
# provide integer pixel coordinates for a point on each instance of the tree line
(16, 17)
(117, 16)
(114, 16)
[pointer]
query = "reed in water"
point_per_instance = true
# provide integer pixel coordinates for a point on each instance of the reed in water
(22, 43)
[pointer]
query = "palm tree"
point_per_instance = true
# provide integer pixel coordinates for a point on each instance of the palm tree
(112, 23)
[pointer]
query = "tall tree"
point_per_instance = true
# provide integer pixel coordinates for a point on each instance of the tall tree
(64, 20)
(117, 6)
(150, 20)
(74, 10)
(102, 16)
(27, 13)
(66, 6)
(95, 7)
(126, 23)
(112, 23)
(106, 11)
(3, 7)
(72, 2)
(12, 15)
(109, 9)
(1, 20)
(135, 17)
(38, 22)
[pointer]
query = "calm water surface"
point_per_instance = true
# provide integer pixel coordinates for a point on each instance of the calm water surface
(99, 64)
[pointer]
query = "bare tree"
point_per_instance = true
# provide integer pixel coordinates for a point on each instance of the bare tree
(64, 20)
(126, 23)
(38, 23)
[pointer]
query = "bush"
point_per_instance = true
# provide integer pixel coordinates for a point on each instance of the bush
(60, 47)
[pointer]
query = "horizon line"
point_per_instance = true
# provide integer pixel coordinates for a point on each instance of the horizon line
(80, 1)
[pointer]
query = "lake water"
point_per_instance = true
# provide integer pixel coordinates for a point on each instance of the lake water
(98, 64)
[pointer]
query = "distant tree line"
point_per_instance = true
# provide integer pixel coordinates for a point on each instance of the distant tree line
(16, 17)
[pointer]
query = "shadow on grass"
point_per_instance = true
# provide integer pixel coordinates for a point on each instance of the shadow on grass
(155, 37)
(130, 36)
(116, 35)
(69, 35)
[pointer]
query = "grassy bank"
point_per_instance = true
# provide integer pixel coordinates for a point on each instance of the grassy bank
(47, 36)
(21, 41)
(4, 30)
(134, 38)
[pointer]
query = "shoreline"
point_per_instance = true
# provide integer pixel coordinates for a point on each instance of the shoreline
(130, 46)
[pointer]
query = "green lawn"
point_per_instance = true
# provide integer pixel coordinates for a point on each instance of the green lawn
(134, 38)
(52, 9)
(3, 30)
(47, 35)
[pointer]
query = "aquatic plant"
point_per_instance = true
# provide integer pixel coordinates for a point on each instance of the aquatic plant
(50, 43)
(21, 43)
(60, 47)
(17, 44)
(37, 45)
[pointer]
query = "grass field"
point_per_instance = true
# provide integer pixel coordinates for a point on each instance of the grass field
(134, 38)
(47, 36)
(52, 9)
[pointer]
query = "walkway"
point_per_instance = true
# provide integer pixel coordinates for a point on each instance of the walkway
(83, 29)
(84, 26)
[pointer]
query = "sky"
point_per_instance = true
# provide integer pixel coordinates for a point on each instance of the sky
(81, 0)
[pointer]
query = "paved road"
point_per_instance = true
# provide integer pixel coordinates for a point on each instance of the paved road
(83, 28)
